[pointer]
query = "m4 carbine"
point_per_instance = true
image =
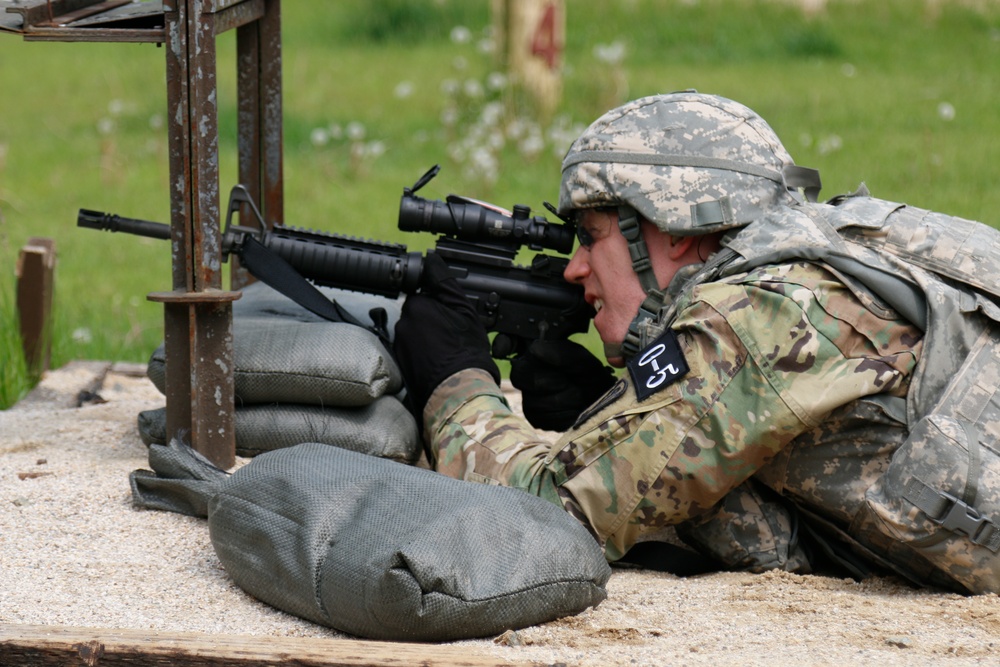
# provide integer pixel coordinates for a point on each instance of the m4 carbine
(478, 242)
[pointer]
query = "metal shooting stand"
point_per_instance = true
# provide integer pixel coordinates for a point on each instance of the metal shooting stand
(197, 312)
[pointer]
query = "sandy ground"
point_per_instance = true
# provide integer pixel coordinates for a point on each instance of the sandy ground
(74, 552)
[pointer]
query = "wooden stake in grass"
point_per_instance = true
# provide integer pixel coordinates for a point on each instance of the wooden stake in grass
(35, 284)
(532, 37)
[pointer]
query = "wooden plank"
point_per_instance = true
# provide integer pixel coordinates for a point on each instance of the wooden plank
(44, 645)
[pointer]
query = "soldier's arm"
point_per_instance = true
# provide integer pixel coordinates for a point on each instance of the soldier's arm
(476, 436)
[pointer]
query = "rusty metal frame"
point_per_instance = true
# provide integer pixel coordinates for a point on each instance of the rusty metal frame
(198, 311)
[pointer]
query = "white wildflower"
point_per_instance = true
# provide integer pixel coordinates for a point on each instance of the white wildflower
(531, 145)
(486, 46)
(355, 131)
(449, 116)
(456, 152)
(516, 129)
(492, 113)
(403, 90)
(82, 335)
(472, 88)
(495, 140)
(496, 81)
(319, 136)
(830, 144)
(484, 163)
(610, 54)
(461, 35)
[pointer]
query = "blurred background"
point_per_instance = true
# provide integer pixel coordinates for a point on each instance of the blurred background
(900, 94)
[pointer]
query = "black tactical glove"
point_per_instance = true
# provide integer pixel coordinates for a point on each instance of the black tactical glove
(558, 379)
(438, 334)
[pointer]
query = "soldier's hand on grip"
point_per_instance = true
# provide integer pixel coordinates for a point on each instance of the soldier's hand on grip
(558, 379)
(438, 334)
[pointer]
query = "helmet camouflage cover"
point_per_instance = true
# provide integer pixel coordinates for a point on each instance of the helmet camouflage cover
(688, 162)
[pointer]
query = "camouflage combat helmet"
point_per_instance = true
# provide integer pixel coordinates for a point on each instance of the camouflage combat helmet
(689, 163)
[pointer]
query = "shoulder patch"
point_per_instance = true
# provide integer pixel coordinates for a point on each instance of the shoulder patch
(659, 365)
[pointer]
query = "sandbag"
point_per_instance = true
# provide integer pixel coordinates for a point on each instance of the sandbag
(181, 480)
(282, 353)
(311, 363)
(260, 300)
(383, 428)
(382, 550)
(387, 551)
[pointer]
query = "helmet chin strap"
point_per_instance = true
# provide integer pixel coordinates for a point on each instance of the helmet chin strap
(628, 223)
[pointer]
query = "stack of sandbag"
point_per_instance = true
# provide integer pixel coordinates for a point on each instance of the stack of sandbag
(299, 378)
(363, 544)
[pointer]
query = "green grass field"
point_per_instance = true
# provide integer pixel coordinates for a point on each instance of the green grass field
(900, 94)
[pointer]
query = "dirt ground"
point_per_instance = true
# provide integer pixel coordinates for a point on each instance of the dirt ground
(74, 552)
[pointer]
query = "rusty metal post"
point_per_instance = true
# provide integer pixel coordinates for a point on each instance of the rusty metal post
(35, 285)
(197, 313)
(272, 141)
(258, 46)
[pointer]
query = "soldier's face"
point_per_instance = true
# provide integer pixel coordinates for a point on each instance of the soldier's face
(604, 269)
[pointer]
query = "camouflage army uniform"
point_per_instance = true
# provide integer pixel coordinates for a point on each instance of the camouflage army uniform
(787, 368)
(842, 358)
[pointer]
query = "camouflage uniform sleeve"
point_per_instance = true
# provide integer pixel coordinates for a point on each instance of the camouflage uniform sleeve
(477, 437)
(771, 354)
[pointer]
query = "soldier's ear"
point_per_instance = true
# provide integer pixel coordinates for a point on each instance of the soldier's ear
(678, 246)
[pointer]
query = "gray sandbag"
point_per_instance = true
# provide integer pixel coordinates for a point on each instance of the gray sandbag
(181, 480)
(260, 300)
(386, 551)
(384, 428)
(282, 353)
(312, 363)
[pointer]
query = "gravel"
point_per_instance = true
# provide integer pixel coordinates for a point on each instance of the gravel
(74, 552)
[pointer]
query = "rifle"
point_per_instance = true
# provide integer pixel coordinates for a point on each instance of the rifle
(478, 241)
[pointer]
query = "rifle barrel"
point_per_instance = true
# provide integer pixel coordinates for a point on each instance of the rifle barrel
(115, 223)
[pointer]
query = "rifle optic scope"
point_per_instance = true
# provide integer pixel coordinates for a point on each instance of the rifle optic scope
(478, 222)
